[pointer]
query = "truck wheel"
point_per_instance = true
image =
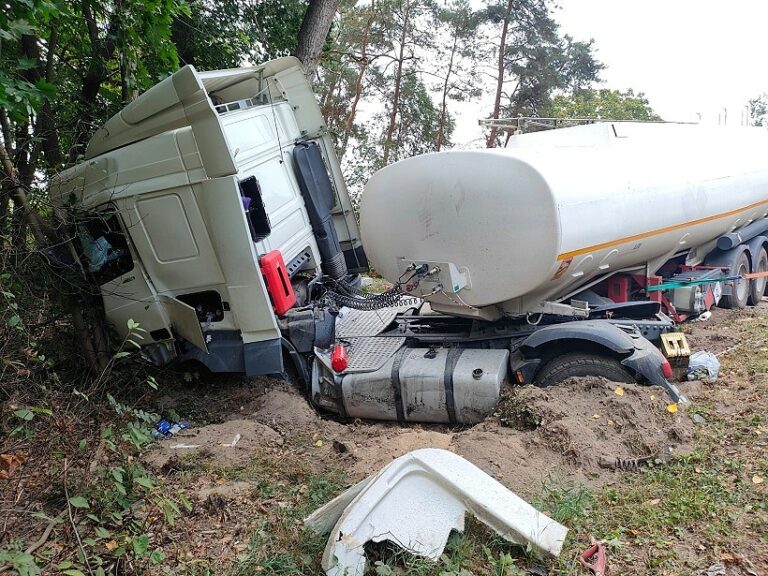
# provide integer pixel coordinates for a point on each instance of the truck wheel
(581, 364)
(740, 292)
(757, 286)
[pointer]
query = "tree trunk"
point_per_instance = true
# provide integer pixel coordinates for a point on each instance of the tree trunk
(128, 90)
(314, 29)
(5, 200)
(364, 63)
(444, 102)
(327, 105)
(398, 83)
(491, 141)
(91, 86)
(97, 72)
(20, 197)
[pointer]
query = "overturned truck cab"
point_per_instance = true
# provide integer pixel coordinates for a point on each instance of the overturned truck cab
(200, 215)
(212, 211)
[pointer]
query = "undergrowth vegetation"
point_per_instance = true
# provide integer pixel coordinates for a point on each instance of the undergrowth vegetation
(69, 471)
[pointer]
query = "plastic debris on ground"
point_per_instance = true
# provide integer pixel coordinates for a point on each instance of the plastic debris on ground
(703, 317)
(166, 429)
(703, 366)
(594, 559)
(415, 502)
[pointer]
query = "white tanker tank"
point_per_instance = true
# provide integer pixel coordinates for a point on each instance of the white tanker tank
(513, 231)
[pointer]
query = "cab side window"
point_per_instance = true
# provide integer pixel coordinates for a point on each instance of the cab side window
(105, 247)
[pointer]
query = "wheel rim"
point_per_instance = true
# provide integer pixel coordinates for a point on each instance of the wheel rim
(742, 286)
(762, 266)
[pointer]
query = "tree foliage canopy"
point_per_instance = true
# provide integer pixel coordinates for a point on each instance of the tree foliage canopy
(758, 110)
(603, 104)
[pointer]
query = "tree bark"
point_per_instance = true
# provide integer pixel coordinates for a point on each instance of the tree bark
(128, 89)
(398, 83)
(313, 32)
(491, 141)
(364, 63)
(328, 107)
(444, 103)
(4, 202)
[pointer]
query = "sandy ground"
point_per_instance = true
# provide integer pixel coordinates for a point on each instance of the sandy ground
(587, 430)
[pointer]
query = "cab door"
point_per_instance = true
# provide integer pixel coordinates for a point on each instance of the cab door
(126, 290)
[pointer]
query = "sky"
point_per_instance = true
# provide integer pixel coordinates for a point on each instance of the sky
(688, 57)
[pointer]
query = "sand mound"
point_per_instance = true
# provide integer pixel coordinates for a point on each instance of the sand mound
(231, 443)
(581, 429)
(286, 410)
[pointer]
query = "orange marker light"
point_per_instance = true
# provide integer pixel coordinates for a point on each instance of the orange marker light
(666, 368)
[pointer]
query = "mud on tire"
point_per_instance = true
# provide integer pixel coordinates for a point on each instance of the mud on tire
(581, 364)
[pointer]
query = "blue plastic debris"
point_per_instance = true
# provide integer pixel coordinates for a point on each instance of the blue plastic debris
(165, 428)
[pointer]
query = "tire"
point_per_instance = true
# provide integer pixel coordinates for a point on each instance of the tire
(740, 295)
(581, 364)
(758, 285)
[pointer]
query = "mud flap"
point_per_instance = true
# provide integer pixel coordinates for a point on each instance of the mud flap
(646, 364)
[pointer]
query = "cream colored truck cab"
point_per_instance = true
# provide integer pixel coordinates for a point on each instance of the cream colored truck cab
(182, 192)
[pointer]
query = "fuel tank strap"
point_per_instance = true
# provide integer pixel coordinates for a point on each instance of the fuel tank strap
(397, 386)
(450, 365)
(338, 388)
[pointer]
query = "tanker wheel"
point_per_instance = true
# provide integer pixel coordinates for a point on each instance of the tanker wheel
(740, 290)
(758, 285)
(581, 364)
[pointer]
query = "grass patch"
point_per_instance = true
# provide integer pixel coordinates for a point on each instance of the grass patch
(475, 551)
(647, 515)
(281, 545)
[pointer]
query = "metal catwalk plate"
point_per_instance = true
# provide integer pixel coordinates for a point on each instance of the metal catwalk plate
(369, 353)
(368, 323)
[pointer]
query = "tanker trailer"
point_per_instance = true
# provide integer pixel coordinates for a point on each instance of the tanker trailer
(552, 249)
(519, 230)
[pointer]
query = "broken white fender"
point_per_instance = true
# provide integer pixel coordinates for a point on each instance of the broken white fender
(322, 520)
(416, 501)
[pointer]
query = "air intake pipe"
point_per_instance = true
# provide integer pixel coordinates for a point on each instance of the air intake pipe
(318, 193)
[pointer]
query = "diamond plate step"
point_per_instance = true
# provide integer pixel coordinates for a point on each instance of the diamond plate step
(369, 353)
